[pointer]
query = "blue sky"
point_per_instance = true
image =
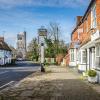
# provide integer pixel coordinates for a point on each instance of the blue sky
(19, 15)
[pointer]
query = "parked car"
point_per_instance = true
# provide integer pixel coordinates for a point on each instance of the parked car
(19, 59)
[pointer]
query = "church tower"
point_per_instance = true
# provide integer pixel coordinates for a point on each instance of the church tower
(21, 45)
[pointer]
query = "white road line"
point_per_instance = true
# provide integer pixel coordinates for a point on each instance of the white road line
(6, 84)
(4, 72)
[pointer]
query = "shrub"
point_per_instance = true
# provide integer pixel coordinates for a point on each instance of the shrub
(92, 73)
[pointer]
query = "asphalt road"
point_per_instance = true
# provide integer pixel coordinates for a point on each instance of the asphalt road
(12, 75)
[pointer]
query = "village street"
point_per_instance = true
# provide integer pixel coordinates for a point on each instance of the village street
(11, 75)
(49, 49)
(58, 83)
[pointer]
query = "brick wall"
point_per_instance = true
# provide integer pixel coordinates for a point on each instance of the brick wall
(85, 36)
(75, 36)
(98, 13)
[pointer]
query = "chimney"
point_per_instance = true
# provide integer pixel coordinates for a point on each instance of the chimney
(2, 39)
(78, 19)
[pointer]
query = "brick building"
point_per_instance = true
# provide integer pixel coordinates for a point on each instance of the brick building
(85, 40)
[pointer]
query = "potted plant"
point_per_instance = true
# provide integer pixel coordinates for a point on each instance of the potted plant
(92, 76)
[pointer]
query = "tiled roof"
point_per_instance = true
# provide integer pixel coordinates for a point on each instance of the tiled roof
(4, 46)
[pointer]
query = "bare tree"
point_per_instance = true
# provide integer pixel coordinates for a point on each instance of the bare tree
(54, 31)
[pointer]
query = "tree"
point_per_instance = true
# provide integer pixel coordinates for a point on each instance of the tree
(54, 34)
(54, 44)
(49, 51)
(33, 50)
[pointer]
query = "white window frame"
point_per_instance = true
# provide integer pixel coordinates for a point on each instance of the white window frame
(80, 30)
(79, 56)
(93, 17)
(83, 56)
(98, 55)
(72, 54)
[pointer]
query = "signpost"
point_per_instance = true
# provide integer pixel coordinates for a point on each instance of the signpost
(42, 57)
(42, 32)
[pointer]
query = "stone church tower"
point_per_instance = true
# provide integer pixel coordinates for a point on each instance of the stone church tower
(21, 45)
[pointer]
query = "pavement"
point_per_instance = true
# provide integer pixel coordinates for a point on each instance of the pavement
(58, 83)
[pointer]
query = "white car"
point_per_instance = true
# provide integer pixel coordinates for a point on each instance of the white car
(20, 59)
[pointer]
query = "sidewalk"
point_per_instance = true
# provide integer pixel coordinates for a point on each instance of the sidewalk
(96, 87)
(58, 83)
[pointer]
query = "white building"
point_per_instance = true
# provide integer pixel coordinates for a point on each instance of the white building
(5, 52)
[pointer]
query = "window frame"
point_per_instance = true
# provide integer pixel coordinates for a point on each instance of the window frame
(84, 56)
(72, 59)
(93, 17)
(98, 56)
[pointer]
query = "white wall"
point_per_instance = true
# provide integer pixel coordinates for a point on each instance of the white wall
(3, 60)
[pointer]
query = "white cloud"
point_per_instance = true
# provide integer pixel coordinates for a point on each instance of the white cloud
(49, 3)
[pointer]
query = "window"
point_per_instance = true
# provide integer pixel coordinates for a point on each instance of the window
(93, 17)
(87, 25)
(79, 56)
(83, 56)
(98, 55)
(72, 55)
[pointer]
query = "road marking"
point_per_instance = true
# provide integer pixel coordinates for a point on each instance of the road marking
(6, 84)
(4, 72)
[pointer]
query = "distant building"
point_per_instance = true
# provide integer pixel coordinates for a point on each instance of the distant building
(21, 45)
(14, 52)
(5, 52)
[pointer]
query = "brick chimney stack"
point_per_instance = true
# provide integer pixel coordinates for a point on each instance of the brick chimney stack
(2, 39)
(78, 19)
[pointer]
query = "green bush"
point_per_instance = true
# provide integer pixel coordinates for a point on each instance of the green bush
(92, 73)
(47, 64)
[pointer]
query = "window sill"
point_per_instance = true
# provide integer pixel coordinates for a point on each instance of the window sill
(83, 64)
(98, 69)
